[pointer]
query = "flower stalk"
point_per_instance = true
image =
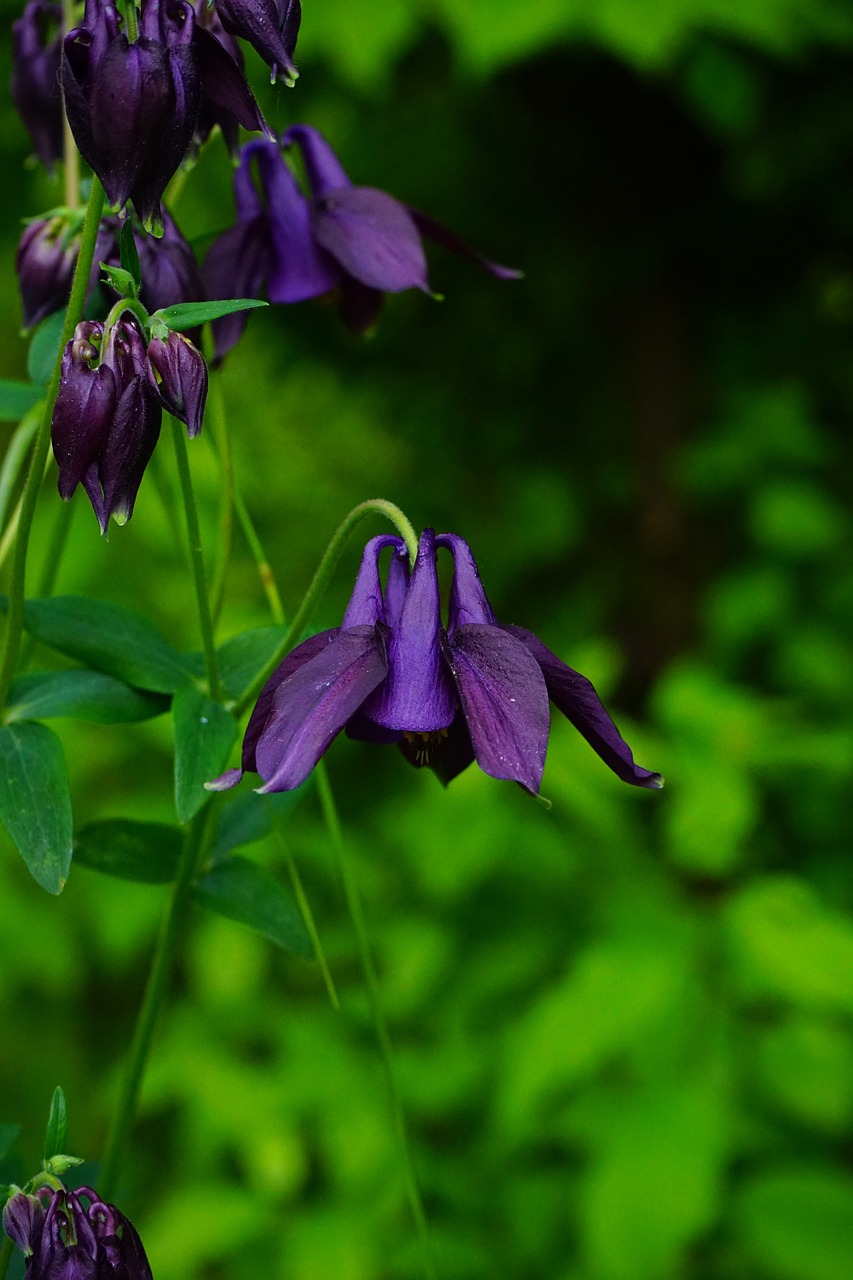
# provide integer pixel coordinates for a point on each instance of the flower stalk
(197, 562)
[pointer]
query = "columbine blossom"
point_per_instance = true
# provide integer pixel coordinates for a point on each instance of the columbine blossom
(355, 243)
(72, 1240)
(477, 690)
(35, 71)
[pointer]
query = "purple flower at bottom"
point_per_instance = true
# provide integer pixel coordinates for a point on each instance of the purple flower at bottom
(478, 690)
(355, 243)
(70, 1240)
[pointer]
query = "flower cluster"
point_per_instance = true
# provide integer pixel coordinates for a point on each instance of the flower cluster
(114, 386)
(69, 1240)
(477, 690)
(355, 243)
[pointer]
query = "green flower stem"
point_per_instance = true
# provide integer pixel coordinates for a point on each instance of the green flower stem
(264, 568)
(353, 901)
(197, 560)
(70, 154)
(321, 580)
(196, 842)
(29, 497)
(215, 415)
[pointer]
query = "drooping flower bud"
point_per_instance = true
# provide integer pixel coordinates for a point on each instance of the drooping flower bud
(133, 107)
(84, 406)
(183, 378)
(74, 1240)
(47, 252)
(35, 84)
(270, 26)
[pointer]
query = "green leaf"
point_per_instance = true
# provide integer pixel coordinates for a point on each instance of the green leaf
(35, 805)
(128, 255)
(243, 891)
(17, 398)
(186, 315)
(110, 638)
(82, 694)
(57, 1125)
(243, 658)
(8, 1138)
(146, 852)
(204, 735)
(248, 818)
(41, 356)
(17, 452)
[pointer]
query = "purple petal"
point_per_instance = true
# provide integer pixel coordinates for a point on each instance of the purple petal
(225, 781)
(299, 269)
(505, 702)
(236, 266)
(134, 433)
(418, 695)
(291, 663)
(225, 91)
(575, 696)
(397, 584)
(323, 169)
(373, 237)
(468, 601)
(314, 704)
(23, 1218)
(366, 604)
(450, 240)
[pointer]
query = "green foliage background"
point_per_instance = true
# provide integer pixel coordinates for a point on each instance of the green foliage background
(624, 1027)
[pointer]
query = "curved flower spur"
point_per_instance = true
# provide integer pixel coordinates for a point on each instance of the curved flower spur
(477, 690)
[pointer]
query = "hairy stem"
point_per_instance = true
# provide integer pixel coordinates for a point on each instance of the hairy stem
(17, 586)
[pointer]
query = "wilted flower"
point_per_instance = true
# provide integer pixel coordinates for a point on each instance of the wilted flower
(356, 242)
(47, 253)
(35, 76)
(392, 673)
(73, 1240)
(270, 26)
(107, 417)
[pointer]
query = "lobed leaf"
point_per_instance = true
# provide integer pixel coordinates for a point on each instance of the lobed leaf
(83, 695)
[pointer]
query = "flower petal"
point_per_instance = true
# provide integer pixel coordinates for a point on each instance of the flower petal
(373, 237)
(418, 695)
(575, 696)
(263, 707)
(468, 601)
(505, 702)
(314, 704)
(323, 169)
(367, 603)
(450, 240)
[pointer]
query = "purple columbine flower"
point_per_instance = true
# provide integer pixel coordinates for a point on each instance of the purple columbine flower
(183, 378)
(35, 76)
(270, 26)
(70, 1239)
(478, 690)
(356, 242)
(47, 253)
(107, 417)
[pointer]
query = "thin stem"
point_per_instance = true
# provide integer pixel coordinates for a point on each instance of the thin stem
(29, 497)
(353, 901)
(70, 154)
(262, 564)
(321, 580)
(195, 842)
(197, 561)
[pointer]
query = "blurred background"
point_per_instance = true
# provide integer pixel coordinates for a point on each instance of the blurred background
(623, 1027)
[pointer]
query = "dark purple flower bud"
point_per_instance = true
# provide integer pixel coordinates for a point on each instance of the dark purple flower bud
(226, 99)
(133, 107)
(35, 76)
(107, 417)
(84, 406)
(47, 253)
(78, 1237)
(270, 26)
(23, 1219)
(183, 378)
(392, 673)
